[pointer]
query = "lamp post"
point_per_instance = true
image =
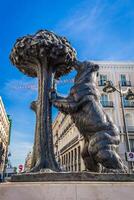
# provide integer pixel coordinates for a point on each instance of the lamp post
(110, 88)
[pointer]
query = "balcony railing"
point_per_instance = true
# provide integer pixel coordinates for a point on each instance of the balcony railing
(130, 129)
(128, 103)
(101, 82)
(125, 83)
(107, 103)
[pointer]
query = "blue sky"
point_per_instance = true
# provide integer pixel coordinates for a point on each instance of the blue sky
(98, 29)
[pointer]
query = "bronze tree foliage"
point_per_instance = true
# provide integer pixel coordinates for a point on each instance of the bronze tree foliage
(30, 50)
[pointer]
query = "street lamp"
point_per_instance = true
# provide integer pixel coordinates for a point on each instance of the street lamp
(109, 88)
(130, 95)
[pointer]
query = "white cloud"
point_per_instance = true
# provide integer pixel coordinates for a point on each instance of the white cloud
(20, 89)
(95, 29)
(19, 149)
(83, 19)
(23, 119)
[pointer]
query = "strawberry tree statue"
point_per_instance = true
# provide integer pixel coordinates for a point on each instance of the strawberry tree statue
(46, 56)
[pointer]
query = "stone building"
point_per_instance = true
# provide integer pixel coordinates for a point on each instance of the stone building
(5, 125)
(67, 140)
(28, 160)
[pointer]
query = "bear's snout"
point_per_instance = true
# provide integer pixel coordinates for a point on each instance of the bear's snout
(95, 67)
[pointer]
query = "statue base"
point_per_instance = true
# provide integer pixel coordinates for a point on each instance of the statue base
(71, 176)
(69, 186)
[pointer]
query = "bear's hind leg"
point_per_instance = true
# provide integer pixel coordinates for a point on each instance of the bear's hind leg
(103, 147)
(110, 160)
(88, 159)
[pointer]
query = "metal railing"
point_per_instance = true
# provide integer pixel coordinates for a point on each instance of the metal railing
(128, 103)
(130, 129)
(125, 83)
(107, 103)
(101, 82)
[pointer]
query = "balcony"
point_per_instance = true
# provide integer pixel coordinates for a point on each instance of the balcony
(130, 129)
(107, 103)
(101, 82)
(128, 103)
(125, 83)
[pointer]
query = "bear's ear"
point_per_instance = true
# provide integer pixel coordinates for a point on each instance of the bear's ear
(95, 67)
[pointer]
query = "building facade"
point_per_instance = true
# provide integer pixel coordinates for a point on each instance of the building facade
(67, 140)
(28, 161)
(4, 136)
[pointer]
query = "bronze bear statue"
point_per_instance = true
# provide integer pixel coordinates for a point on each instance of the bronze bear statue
(100, 134)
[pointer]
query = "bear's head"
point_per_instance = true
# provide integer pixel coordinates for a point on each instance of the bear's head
(86, 71)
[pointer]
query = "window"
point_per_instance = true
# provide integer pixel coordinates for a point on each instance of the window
(79, 159)
(69, 161)
(129, 122)
(132, 144)
(75, 154)
(103, 79)
(66, 161)
(105, 101)
(79, 154)
(123, 77)
(69, 157)
(128, 103)
(123, 80)
(75, 159)
(104, 98)
(72, 156)
(72, 160)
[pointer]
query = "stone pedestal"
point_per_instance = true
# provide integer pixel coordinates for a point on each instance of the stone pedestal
(68, 186)
(67, 191)
(71, 176)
